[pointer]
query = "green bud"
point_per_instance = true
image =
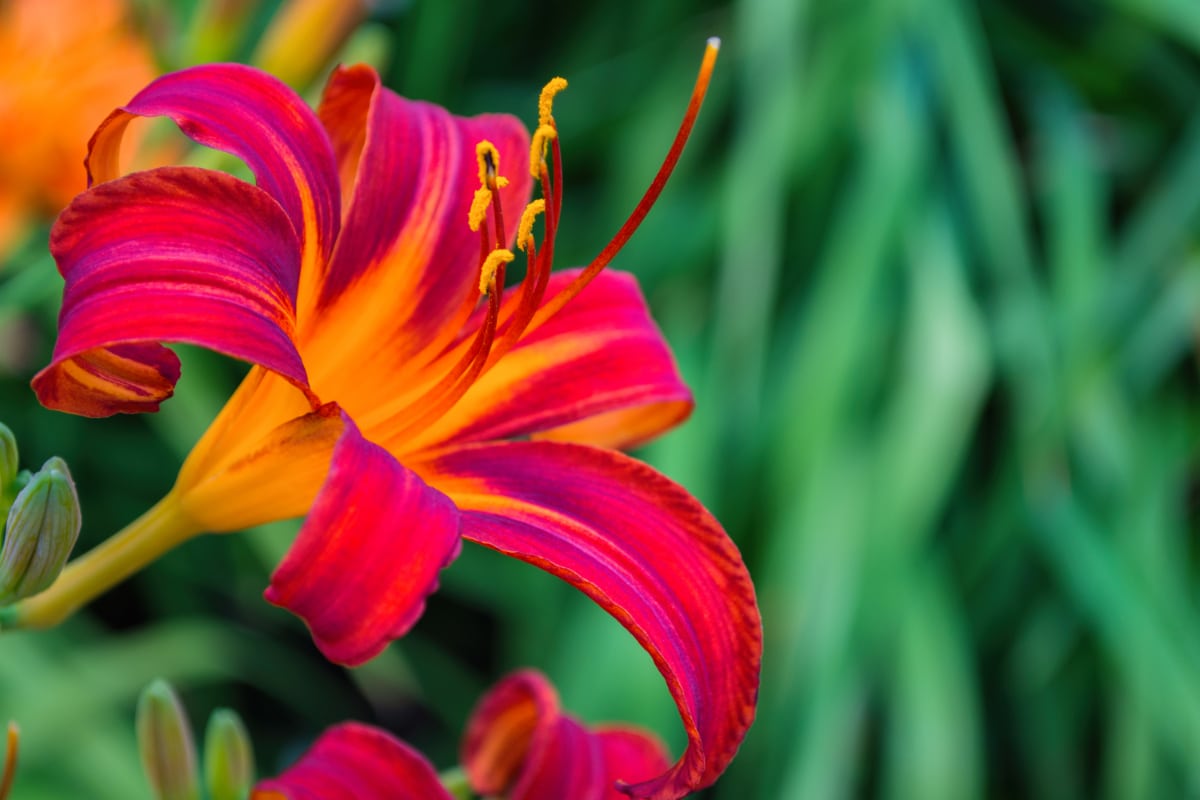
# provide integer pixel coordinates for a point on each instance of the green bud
(165, 741)
(43, 526)
(228, 757)
(8, 456)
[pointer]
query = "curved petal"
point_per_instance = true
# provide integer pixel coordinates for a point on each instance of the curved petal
(254, 116)
(598, 372)
(356, 762)
(368, 554)
(648, 553)
(631, 755)
(519, 745)
(405, 234)
(174, 254)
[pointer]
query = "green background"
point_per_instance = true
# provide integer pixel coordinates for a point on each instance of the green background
(930, 267)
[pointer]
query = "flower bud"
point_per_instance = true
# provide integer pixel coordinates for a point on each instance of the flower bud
(9, 767)
(228, 757)
(165, 741)
(8, 456)
(43, 526)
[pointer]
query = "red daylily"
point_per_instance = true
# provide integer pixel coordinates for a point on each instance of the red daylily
(518, 745)
(383, 404)
(353, 761)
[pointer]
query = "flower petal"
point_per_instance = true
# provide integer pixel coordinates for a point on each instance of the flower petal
(405, 235)
(368, 554)
(519, 745)
(254, 116)
(275, 475)
(631, 755)
(600, 367)
(647, 552)
(352, 761)
(174, 254)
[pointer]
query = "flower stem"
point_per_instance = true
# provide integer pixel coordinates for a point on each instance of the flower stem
(456, 783)
(163, 527)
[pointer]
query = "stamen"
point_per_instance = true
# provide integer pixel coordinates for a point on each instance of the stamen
(538, 273)
(555, 304)
(488, 344)
(489, 162)
(546, 100)
(537, 277)
(525, 228)
(491, 265)
(479, 207)
(489, 183)
(538, 146)
(10, 760)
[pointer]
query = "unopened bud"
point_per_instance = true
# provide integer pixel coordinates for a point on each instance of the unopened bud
(9, 766)
(8, 456)
(165, 741)
(228, 757)
(43, 526)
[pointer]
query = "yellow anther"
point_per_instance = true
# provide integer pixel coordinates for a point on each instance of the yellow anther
(525, 229)
(489, 161)
(546, 100)
(538, 147)
(487, 273)
(479, 207)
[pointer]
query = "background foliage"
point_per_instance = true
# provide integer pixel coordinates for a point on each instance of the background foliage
(931, 269)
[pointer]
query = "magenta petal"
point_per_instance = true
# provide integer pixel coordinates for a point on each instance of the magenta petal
(565, 761)
(631, 756)
(601, 354)
(174, 254)
(413, 169)
(368, 554)
(356, 762)
(520, 746)
(649, 554)
(254, 116)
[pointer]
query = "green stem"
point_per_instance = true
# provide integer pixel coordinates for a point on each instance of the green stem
(456, 783)
(163, 527)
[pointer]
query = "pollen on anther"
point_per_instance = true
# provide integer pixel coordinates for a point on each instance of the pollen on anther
(487, 273)
(489, 160)
(546, 100)
(479, 207)
(525, 229)
(537, 148)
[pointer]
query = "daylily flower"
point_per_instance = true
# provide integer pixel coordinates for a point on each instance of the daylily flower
(65, 63)
(383, 403)
(518, 745)
(352, 761)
